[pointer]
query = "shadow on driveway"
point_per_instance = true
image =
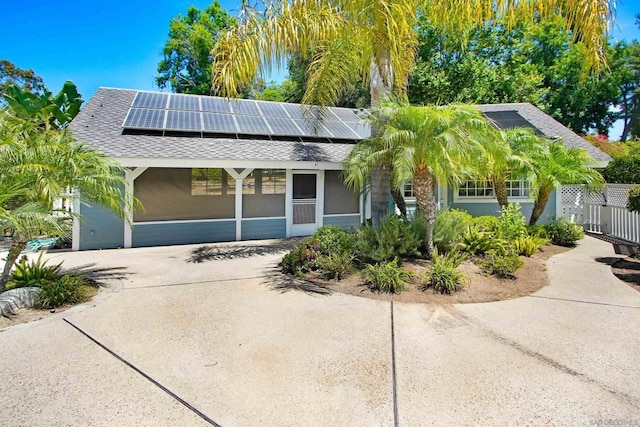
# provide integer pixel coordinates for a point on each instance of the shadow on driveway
(226, 252)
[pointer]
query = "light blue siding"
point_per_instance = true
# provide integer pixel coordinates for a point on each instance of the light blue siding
(271, 228)
(183, 233)
(99, 228)
(343, 221)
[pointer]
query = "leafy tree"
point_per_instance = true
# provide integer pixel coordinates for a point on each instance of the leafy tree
(37, 166)
(375, 39)
(186, 66)
(559, 165)
(625, 64)
(426, 144)
(11, 75)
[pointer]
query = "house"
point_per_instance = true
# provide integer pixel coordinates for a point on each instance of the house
(207, 169)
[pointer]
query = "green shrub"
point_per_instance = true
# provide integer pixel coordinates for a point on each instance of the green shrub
(512, 223)
(33, 273)
(301, 259)
(485, 223)
(386, 276)
(564, 233)
(449, 228)
(633, 204)
(502, 266)
(528, 245)
(444, 276)
(475, 242)
(623, 170)
(537, 230)
(393, 238)
(335, 265)
(66, 289)
(331, 239)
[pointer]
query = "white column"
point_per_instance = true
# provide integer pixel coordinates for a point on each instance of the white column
(288, 207)
(239, 177)
(75, 228)
(320, 198)
(559, 213)
(130, 177)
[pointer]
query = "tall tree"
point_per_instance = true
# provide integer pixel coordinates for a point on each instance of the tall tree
(10, 75)
(186, 66)
(625, 65)
(375, 39)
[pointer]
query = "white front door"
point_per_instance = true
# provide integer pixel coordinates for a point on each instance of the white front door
(305, 216)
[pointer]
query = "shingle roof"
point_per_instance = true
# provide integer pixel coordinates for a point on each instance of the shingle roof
(99, 124)
(548, 126)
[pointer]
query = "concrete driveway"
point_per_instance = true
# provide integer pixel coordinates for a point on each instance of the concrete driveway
(227, 341)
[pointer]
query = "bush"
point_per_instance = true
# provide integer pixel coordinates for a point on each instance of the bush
(449, 228)
(331, 239)
(633, 204)
(623, 170)
(34, 273)
(502, 266)
(335, 265)
(564, 233)
(475, 242)
(537, 230)
(485, 223)
(511, 223)
(528, 245)
(393, 238)
(386, 277)
(444, 276)
(66, 289)
(300, 260)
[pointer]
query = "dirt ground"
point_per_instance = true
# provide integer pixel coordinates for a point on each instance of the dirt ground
(480, 288)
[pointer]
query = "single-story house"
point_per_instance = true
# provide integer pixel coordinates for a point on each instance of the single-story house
(207, 169)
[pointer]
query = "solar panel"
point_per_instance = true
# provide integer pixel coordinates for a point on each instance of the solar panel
(183, 120)
(252, 124)
(285, 127)
(145, 118)
(224, 123)
(293, 110)
(184, 102)
(269, 109)
(215, 105)
(343, 114)
(245, 107)
(151, 100)
(339, 130)
(361, 129)
(509, 120)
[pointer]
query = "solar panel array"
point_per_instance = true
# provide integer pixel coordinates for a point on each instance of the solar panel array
(194, 113)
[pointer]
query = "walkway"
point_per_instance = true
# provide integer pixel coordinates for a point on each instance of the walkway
(226, 341)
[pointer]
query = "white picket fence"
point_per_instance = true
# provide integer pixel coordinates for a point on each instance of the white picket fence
(601, 211)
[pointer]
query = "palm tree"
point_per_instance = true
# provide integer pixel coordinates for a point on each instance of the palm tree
(559, 165)
(375, 39)
(425, 144)
(509, 154)
(38, 166)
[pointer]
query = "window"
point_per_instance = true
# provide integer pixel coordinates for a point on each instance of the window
(211, 182)
(408, 190)
(484, 189)
(265, 181)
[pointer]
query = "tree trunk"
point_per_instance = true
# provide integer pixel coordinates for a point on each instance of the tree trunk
(380, 190)
(400, 203)
(540, 204)
(14, 252)
(500, 187)
(425, 202)
(380, 85)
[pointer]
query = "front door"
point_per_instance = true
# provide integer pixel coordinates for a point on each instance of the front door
(305, 202)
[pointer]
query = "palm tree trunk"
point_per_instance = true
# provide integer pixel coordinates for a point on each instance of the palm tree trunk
(400, 203)
(14, 252)
(380, 190)
(423, 184)
(540, 204)
(500, 187)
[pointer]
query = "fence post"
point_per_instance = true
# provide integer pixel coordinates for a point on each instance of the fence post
(606, 217)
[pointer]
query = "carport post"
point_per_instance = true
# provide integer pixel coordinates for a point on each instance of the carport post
(130, 177)
(238, 176)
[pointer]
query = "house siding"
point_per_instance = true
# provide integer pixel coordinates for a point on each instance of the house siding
(343, 221)
(183, 233)
(271, 228)
(99, 228)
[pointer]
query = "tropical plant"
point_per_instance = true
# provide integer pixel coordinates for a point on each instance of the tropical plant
(11, 75)
(394, 237)
(301, 259)
(330, 239)
(502, 266)
(485, 223)
(476, 242)
(33, 273)
(66, 289)
(443, 276)
(564, 233)
(375, 39)
(449, 228)
(335, 265)
(528, 245)
(511, 224)
(560, 165)
(386, 276)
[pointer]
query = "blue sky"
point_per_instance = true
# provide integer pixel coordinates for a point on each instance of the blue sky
(119, 43)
